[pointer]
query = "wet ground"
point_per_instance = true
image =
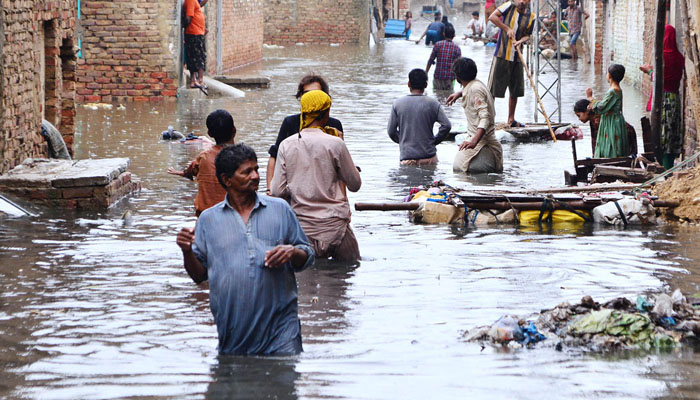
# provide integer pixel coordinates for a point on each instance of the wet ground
(94, 305)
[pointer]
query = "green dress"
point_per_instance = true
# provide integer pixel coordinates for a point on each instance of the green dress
(612, 132)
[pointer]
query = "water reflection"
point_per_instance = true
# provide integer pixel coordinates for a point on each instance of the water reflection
(252, 378)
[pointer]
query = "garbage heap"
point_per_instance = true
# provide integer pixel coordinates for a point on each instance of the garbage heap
(660, 322)
(683, 187)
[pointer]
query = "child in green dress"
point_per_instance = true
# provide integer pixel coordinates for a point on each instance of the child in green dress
(612, 132)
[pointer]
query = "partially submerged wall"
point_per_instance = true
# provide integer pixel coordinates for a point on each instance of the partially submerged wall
(37, 76)
(316, 21)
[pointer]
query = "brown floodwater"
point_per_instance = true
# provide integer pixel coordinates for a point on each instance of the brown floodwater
(94, 305)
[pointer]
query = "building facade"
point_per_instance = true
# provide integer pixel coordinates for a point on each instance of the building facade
(37, 76)
(317, 21)
(623, 32)
(132, 51)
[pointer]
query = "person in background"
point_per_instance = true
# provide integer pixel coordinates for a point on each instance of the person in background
(220, 126)
(409, 25)
(489, 7)
(516, 22)
(475, 27)
(434, 32)
(672, 114)
(446, 22)
(573, 15)
(195, 45)
(587, 116)
(481, 152)
(443, 55)
(249, 247)
(312, 171)
(411, 123)
(611, 141)
(290, 125)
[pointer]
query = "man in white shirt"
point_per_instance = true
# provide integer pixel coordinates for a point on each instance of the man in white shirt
(475, 27)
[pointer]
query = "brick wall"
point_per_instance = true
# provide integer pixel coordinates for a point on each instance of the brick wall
(316, 21)
(595, 30)
(37, 76)
(241, 33)
(125, 51)
(131, 49)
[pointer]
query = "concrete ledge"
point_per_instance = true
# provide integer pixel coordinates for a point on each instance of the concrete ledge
(245, 81)
(90, 184)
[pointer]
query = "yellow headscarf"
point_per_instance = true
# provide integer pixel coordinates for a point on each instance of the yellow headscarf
(313, 104)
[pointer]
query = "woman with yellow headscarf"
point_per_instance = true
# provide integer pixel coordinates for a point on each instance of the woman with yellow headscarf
(311, 171)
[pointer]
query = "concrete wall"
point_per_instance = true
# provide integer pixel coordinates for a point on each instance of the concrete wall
(627, 37)
(131, 49)
(37, 76)
(316, 21)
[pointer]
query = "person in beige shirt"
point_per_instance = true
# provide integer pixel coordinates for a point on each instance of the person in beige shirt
(481, 152)
(313, 169)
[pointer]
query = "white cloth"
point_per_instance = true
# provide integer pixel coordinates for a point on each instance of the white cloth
(487, 156)
(475, 27)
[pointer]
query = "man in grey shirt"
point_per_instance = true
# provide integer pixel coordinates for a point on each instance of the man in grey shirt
(248, 246)
(411, 123)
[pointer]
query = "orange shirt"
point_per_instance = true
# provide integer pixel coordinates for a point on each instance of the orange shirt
(197, 25)
(209, 191)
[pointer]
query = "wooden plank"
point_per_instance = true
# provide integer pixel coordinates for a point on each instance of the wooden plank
(606, 173)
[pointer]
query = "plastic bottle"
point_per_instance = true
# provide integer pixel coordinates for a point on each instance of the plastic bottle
(504, 329)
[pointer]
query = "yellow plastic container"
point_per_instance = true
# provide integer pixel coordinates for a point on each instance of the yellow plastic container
(559, 217)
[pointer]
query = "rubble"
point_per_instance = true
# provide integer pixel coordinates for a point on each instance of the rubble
(685, 188)
(619, 324)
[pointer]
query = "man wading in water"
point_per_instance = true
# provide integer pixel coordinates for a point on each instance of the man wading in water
(311, 170)
(411, 123)
(249, 246)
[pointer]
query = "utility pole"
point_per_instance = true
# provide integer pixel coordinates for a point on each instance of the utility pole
(658, 100)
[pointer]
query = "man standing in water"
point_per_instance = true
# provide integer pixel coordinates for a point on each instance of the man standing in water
(444, 53)
(313, 169)
(516, 22)
(248, 246)
(411, 123)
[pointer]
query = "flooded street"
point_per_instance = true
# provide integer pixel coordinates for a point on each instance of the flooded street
(94, 305)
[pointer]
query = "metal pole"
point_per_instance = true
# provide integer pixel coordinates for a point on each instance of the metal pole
(219, 29)
(658, 79)
(558, 61)
(180, 44)
(541, 34)
(536, 51)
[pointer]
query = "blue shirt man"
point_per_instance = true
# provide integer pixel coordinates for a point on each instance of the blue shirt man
(249, 246)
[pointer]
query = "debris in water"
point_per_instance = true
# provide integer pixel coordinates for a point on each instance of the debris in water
(96, 106)
(619, 324)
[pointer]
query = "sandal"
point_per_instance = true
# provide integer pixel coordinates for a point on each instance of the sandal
(204, 89)
(516, 124)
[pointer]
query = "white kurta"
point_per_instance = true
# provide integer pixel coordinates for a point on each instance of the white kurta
(487, 156)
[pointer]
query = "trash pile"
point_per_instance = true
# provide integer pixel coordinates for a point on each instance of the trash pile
(662, 322)
(684, 188)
